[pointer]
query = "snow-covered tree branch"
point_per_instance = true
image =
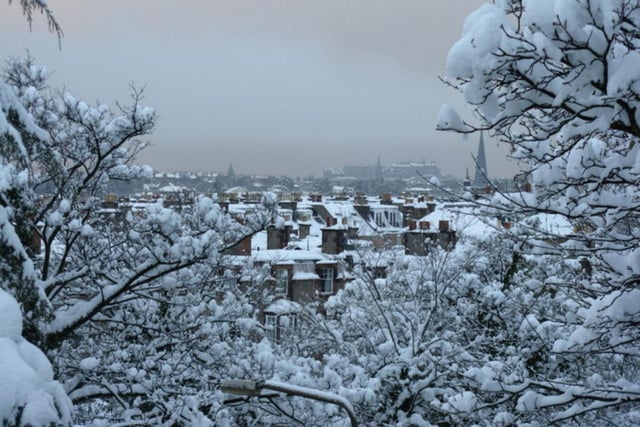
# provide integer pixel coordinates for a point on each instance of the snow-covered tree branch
(86, 278)
(30, 7)
(559, 82)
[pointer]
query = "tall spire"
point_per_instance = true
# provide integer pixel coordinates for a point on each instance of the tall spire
(230, 172)
(481, 176)
(378, 173)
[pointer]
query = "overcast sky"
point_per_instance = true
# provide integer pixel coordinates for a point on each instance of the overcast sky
(273, 86)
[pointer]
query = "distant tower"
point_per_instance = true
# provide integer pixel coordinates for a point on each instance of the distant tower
(467, 181)
(379, 177)
(481, 178)
(231, 173)
(230, 179)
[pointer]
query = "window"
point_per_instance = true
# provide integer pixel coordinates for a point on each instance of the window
(379, 219)
(287, 322)
(379, 273)
(387, 218)
(270, 322)
(277, 326)
(282, 282)
(326, 280)
(393, 219)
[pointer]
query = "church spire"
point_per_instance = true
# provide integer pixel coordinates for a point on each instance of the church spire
(378, 173)
(230, 172)
(481, 178)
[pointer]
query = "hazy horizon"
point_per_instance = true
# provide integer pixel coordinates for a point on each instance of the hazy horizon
(273, 87)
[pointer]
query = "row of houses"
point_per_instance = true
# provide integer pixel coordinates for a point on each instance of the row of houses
(335, 226)
(316, 244)
(312, 248)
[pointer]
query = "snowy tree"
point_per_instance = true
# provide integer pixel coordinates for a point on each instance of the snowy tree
(116, 299)
(159, 360)
(30, 395)
(558, 81)
(134, 309)
(64, 155)
(404, 349)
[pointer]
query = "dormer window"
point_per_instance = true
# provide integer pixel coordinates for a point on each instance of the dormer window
(393, 221)
(379, 218)
(387, 217)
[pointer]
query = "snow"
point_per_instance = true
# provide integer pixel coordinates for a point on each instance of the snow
(528, 401)
(27, 375)
(448, 118)
(276, 256)
(302, 275)
(462, 402)
(379, 337)
(171, 188)
(8, 233)
(10, 317)
(554, 224)
(463, 219)
(504, 419)
(89, 363)
(617, 306)
(8, 100)
(481, 35)
(65, 206)
(531, 400)
(283, 306)
(36, 359)
(538, 11)
(324, 396)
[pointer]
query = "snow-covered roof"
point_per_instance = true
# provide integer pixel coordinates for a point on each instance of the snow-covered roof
(237, 190)
(551, 223)
(341, 209)
(326, 262)
(275, 256)
(239, 209)
(303, 275)
(463, 218)
(170, 188)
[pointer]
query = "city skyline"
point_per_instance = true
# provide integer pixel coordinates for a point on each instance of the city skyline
(271, 87)
(343, 169)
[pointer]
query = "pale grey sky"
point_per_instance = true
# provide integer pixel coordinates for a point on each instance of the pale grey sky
(273, 86)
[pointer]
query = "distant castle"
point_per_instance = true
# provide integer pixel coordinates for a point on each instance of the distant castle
(396, 171)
